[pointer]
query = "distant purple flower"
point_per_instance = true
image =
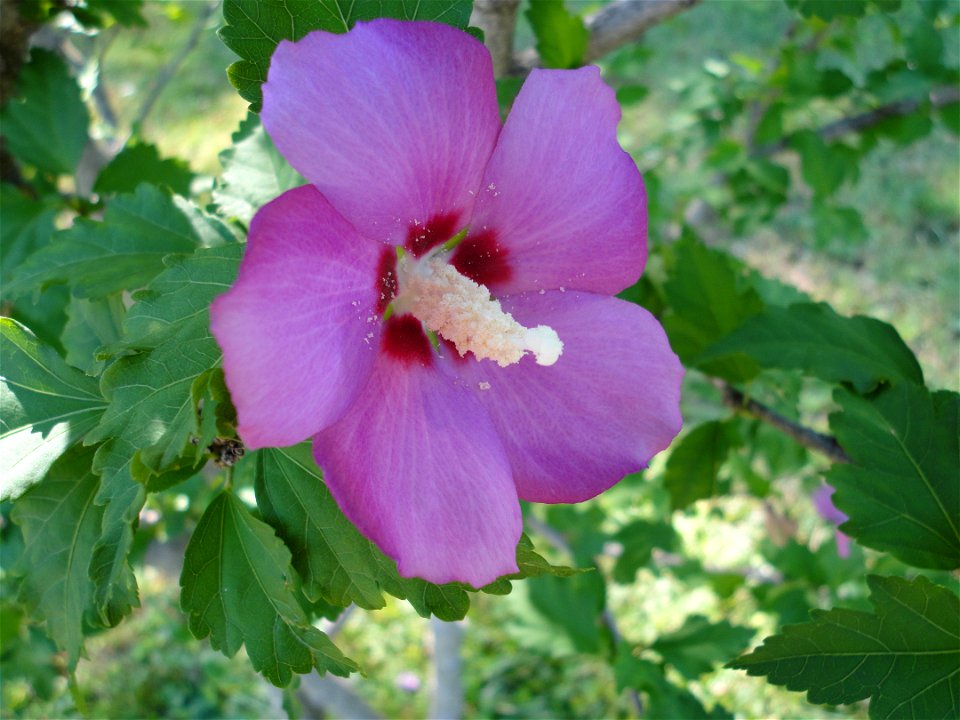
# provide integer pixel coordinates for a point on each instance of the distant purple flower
(823, 502)
(432, 406)
(408, 682)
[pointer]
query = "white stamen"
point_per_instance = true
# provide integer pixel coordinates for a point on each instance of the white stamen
(462, 311)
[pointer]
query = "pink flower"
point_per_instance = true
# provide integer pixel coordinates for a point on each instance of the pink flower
(330, 332)
(823, 502)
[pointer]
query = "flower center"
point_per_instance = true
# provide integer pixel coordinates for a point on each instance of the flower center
(462, 311)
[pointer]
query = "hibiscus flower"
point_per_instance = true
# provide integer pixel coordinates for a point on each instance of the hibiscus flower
(435, 308)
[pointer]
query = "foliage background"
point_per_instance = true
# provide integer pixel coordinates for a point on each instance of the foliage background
(713, 549)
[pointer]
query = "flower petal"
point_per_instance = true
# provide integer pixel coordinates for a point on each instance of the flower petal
(393, 122)
(565, 202)
(609, 404)
(417, 466)
(298, 329)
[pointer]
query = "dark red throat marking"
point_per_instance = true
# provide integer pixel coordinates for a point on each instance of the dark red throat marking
(483, 259)
(435, 231)
(404, 340)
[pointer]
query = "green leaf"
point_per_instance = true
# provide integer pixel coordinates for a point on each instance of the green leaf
(151, 415)
(901, 491)
(561, 36)
(151, 412)
(60, 525)
(94, 13)
(46, 406)
(114, 584)
(824, 169)
(124, 252)
(141, 163)
(692, 471)
(254, 172)
(665, 701)
(905, 657)
(91, 324)
(706, 302)
(574, 606)
(253, 28)
(25, 226)
(829, 9)
(47, 125)
(638, 539)
(340, 565)
(835, 226)
(238, 587)
(700, 645)
(812, 338)
(335, 561)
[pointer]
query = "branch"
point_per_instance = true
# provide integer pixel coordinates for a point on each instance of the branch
(617, 24)
(169, 70)
(938, 98)
(811, 439)
(626, 21)
(498, 20)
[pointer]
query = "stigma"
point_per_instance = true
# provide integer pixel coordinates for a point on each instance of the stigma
(463, 312)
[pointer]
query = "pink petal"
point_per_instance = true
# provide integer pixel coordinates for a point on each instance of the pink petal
(417, 466)
(609, 404)
(298, 329)
(560, 195)
(393, 122)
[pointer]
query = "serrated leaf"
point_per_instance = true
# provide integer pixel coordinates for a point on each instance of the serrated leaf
(700, 645)
(706, 302)
(151, 415)
(905, 656)
(124, 252)
(151, 409)
(561, 36)
(812, 338)
(115, 591)
(254, 172)
(46, 406)
(692, 471)
(46, 126)
(60, 524)
(341, 566)
(141, 163)
(901, 492)
(91, 324)
(331, 556)
(253, 28)
(238, 589)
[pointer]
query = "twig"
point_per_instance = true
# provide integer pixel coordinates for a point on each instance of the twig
(938, 98)
(498, 20)
(811, 439)
(167, 72)
(626, 21)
